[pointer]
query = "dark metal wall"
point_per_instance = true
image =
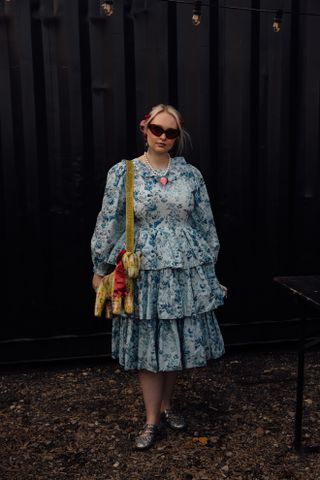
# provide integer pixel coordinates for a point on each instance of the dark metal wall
(73, 86)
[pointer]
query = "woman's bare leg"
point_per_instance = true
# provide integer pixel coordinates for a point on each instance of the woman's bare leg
(152, 385)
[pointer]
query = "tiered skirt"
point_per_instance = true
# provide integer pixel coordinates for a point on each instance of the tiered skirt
(174, 325)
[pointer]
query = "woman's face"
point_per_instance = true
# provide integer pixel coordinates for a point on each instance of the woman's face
(161, 144)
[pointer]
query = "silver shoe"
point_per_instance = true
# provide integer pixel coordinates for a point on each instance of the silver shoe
(147, 436)
(173, 419)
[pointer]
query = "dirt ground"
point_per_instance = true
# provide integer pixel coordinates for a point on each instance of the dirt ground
(78, 421)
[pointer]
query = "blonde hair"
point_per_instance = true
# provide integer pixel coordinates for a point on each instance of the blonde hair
(184, 136)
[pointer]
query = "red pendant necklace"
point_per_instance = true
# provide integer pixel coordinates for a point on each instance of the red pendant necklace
(163, 179)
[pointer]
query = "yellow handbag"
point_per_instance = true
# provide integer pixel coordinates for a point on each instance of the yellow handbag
(115, 293)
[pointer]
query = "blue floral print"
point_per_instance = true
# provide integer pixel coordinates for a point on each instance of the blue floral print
(173, 325)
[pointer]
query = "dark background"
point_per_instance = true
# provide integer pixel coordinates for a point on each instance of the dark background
(74, 85)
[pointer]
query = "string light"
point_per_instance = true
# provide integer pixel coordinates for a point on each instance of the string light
(196, 15)
(277, 21)
(248, 9)
(107, 7)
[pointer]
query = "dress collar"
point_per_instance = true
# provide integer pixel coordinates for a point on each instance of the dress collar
(176, 164)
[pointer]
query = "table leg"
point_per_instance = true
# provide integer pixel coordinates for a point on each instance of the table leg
(300, 385)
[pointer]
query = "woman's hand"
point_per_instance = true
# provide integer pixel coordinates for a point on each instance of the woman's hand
(96, 280)
(224, 289)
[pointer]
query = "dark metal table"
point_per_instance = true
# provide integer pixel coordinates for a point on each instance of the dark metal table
(306, 290)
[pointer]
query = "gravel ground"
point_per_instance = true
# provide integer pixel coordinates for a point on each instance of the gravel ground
(78, 421)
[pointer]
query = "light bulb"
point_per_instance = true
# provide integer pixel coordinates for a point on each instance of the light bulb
(196, 14)
(107, 8)
(277, 21)
(196, 19)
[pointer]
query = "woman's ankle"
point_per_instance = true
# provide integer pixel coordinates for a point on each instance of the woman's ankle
(152, 420)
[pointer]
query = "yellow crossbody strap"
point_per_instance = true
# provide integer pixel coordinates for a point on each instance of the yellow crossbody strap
(129, 206)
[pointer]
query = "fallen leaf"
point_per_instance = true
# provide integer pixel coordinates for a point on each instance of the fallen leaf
(259, 431)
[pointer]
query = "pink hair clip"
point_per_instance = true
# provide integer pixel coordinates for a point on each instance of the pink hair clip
(143, 122)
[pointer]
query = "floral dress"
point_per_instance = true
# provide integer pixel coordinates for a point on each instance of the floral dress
(173, 325)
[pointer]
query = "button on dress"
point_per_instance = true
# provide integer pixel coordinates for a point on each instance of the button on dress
(173, 325)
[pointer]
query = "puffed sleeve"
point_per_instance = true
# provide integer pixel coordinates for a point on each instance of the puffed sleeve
(202, 216)
(110, 224)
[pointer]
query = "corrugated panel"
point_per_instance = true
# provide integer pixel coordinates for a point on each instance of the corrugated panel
(74, 85)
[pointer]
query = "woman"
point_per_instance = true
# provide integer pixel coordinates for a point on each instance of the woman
(173, 326)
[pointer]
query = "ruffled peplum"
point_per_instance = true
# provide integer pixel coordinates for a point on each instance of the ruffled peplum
(157, 345)
(167, 246)
(176, 293)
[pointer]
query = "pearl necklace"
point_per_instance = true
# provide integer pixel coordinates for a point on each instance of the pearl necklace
(163, 180)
